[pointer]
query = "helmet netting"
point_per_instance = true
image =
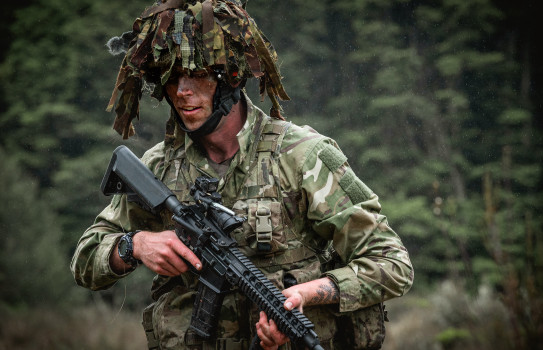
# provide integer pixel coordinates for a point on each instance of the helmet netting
(193, 35)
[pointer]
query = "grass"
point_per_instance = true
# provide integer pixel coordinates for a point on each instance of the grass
(86, 328)
(446, 319)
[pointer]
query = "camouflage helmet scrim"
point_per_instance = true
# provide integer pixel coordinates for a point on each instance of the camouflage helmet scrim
(194, 34)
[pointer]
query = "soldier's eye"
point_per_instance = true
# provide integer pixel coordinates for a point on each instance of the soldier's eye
(200, 74)
(173, 79)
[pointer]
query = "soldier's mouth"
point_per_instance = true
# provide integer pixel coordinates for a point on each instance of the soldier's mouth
(190, 109)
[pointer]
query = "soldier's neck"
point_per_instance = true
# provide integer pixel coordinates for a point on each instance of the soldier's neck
(222, 144)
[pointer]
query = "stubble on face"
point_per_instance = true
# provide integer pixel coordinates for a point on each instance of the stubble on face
(192, 97)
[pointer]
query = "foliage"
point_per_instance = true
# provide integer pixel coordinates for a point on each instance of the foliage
(425, 99)
(449, 318)
(61, 76)
(33, 267)
(56, 130)
(93, 327)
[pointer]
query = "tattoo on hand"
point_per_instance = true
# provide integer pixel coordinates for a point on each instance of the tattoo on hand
(326, 294)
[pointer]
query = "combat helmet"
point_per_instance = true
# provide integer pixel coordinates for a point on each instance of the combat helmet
(196, 35)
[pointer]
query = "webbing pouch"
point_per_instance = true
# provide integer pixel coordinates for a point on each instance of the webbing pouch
(263, 227)
(147, 322)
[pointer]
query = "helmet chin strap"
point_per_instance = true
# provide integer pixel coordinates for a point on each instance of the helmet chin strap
(224, 99)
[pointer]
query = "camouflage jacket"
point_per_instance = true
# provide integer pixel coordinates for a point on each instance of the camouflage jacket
(291, 177)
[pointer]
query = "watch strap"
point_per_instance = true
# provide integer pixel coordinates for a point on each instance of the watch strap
(127, 256)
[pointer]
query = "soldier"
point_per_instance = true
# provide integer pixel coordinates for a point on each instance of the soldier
(312, 226)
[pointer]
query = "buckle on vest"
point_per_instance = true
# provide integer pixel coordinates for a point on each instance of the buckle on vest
(263, 229)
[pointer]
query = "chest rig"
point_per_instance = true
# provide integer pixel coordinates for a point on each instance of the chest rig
(251, 188)
(262, 189)
(274, 237)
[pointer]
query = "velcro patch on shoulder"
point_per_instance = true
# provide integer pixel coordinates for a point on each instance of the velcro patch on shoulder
(332, 157)
(356, 190)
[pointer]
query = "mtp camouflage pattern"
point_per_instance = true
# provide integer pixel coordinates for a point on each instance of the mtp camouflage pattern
(308, 216)
(193, 34)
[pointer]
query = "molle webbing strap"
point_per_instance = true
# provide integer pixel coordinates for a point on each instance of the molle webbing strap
(272, 136)
(294, 255)
(267, 151)
(269, 148)
(225, 98)
(284, 129)
(147, 322)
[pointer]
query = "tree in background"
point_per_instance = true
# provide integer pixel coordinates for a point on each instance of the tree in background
(59, 76)
(33, 264)
(430, 102)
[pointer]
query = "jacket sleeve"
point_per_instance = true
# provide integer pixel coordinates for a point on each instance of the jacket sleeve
(90, 262)
(341, 208)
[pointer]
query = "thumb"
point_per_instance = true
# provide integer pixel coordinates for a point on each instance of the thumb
(294, 301)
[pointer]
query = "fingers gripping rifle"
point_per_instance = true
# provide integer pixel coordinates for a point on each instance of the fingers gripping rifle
(205, 228)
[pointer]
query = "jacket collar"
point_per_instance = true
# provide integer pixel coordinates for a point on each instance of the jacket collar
(178, 142)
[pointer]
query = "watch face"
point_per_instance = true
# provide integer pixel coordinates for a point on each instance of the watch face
(126, 248)
(123, 245)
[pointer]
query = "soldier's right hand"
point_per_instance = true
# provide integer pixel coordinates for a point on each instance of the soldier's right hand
(164, 253)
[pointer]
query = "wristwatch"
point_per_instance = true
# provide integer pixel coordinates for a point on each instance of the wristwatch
(126, 249)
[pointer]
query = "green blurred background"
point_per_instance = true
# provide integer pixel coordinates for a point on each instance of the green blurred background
(437, 104)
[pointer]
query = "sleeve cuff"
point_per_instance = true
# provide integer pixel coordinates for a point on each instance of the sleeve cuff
(103, 254)
(349, 288)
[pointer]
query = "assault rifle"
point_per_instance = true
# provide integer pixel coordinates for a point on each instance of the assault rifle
(205, 228)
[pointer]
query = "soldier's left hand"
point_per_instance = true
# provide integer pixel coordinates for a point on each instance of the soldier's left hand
(270, 336)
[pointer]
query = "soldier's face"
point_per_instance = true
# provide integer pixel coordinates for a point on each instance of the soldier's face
(192, 96)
